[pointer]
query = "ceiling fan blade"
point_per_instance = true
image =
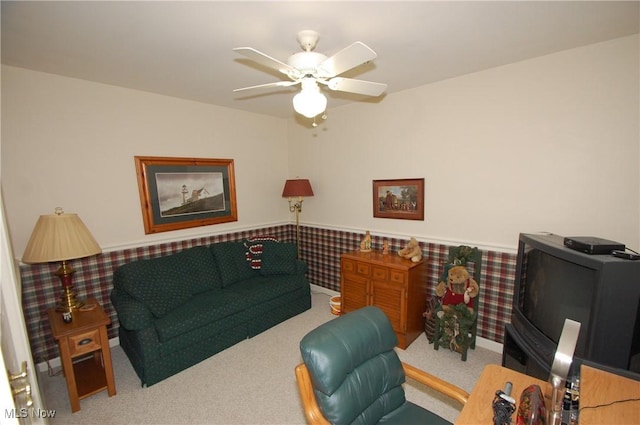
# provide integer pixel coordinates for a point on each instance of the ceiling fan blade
(350, 85)
(266, 60)
(267, 85)
(347, 58)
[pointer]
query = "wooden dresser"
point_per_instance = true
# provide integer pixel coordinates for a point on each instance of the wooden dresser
(395, 285)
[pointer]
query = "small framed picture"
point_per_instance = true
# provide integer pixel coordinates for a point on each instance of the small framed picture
(178, 193)
(401, 199)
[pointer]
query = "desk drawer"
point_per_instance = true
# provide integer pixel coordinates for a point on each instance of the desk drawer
(84, 343)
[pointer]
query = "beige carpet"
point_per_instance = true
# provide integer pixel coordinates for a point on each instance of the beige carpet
(250, 383)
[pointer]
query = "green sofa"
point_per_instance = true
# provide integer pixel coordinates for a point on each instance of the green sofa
(177, 310)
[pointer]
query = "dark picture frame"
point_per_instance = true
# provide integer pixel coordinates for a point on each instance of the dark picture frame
(179, 193)
(402, 199)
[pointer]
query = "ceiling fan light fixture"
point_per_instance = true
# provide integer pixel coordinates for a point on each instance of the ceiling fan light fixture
(309, 102)
(310, 68)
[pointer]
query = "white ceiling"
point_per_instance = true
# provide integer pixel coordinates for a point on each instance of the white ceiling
(184, 49)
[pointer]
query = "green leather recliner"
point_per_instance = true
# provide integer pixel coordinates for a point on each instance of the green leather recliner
(351, 374)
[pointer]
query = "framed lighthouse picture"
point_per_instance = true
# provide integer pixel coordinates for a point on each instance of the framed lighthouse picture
(179, 193)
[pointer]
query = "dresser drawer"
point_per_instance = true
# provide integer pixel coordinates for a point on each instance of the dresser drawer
(84, 343)
(348, 266)
(363, 269)
(397, 276)
(380, 273)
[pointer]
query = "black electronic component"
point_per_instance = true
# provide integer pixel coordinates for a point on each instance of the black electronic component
(626, 255)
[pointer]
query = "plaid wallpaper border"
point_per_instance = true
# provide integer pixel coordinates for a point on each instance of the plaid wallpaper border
(319, 247)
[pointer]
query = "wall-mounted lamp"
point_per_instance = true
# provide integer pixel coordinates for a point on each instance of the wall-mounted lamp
(299, 188)
(61, 237)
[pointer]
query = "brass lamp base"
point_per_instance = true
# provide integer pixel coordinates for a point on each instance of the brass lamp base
(297, 208)
(68, 301)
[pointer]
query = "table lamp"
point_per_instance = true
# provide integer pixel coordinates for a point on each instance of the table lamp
(60, 237)
(299, 188)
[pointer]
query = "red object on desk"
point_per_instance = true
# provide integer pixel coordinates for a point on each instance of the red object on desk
(531, 410)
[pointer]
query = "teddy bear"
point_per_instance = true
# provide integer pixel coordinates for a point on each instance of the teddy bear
(411, 251)
(459, 288)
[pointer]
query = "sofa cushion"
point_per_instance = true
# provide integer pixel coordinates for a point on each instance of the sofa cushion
(278, 258)
(165, 283)
(198, 268)
(158, 290)
(231, 260)
(258, 291)
(200, 311)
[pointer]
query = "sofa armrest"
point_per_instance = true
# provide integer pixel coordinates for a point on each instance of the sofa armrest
(132, 314)
(301, 267)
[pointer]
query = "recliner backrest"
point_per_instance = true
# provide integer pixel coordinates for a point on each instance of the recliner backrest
(356, 374)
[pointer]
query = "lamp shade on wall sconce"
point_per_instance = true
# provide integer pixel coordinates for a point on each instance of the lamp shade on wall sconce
(299, 188)
(60, 237)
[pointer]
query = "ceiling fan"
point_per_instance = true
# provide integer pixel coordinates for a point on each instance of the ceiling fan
(309, 69)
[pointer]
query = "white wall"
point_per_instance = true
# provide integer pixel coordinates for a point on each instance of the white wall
(71, 143)
(548, 144)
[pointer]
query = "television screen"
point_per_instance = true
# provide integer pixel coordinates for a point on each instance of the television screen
(552, 290)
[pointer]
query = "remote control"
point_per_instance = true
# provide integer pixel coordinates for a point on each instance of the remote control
(625, 255)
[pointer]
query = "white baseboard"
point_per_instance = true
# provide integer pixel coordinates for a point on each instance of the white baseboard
(114, 342)
(487, 344)
(322, 290)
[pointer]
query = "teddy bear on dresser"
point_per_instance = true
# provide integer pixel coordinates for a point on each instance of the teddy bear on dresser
(411, 251)
(460, 288)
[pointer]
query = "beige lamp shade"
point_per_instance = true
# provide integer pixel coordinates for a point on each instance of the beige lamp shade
(59, 237)
(297, 187)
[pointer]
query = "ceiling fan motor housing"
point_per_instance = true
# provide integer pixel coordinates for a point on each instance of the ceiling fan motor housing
(306, 62)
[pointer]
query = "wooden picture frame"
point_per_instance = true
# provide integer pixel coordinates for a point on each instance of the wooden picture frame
(401, 199)
(179, 193)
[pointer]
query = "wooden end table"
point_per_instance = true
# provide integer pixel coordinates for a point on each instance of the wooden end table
(86, 334)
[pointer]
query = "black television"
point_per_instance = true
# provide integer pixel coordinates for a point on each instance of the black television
(554, 282)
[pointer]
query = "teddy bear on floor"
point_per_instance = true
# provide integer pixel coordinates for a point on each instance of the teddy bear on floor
(411, 251)
(459, 288)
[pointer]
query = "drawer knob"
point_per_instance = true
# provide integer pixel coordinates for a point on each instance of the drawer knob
(85, 341)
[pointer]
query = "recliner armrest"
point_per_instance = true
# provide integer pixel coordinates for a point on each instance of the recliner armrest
(436, 383)
(311, 409)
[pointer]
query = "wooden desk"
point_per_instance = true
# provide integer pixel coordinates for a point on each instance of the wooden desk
(479, 410)
(598, 387)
